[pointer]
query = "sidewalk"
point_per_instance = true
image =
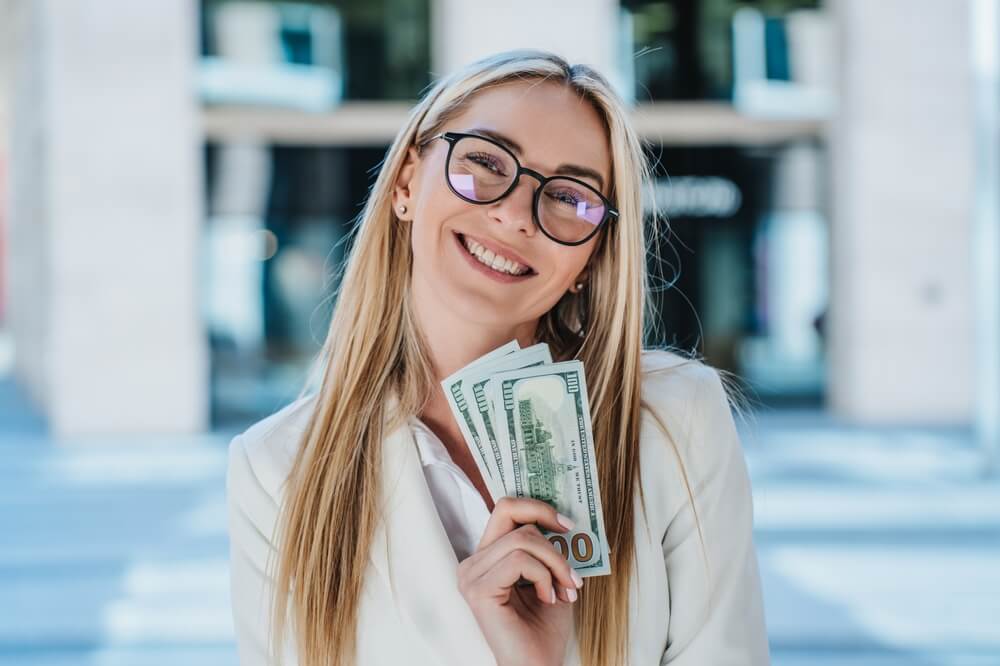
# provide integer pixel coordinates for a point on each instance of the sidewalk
(113, 553)
(877, 547)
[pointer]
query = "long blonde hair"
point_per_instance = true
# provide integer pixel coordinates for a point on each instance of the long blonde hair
(373, 349)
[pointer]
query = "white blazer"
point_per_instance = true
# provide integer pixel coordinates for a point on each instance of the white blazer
(411, 612)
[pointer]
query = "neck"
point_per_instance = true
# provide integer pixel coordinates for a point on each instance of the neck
(454, 341)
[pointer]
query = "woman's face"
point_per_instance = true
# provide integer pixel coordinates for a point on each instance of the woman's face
(552, 127)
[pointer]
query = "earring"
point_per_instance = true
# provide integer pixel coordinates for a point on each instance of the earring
(402, 209)
(579, 286)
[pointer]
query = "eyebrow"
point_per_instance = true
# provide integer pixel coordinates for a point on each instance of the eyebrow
(562, 169)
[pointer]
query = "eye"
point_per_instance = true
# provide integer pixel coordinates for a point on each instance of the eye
(487, 161)
(567, 196)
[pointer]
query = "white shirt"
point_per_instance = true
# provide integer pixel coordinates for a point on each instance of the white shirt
(460, 506)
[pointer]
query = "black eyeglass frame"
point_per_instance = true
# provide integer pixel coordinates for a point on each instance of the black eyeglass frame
(453, 137)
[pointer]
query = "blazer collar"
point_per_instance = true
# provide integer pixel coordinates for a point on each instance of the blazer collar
(412, 552)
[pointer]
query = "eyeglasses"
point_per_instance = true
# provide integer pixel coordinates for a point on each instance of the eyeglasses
(481, 171)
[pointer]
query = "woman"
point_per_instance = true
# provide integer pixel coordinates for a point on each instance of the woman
(348, 507)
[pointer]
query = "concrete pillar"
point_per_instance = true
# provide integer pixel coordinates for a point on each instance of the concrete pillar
(104, 214)
(6, 37)
(582, 31)
(985, 18)
(901, 316)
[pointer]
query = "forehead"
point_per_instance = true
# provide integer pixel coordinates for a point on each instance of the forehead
(552, 124)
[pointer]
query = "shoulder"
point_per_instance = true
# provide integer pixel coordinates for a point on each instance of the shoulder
(687, 432)
(677, 387)
(261, 456)
(698, 512)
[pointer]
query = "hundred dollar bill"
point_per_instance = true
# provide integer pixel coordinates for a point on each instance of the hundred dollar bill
(474, 385)
(462, 410)
(543, 421)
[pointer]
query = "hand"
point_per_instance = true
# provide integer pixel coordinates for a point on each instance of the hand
(529, 624)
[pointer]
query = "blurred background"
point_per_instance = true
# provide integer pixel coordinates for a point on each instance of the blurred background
(176, 178)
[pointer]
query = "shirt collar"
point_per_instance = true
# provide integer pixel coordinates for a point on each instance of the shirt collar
(429, 446)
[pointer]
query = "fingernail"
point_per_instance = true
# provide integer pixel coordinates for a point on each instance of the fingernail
(553, 596)
(571, 593)
(576, 578)
(565, 521)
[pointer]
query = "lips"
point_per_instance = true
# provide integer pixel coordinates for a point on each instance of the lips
(480, 247)
(477, 265)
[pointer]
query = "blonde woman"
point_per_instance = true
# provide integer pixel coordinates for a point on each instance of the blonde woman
(361, 530)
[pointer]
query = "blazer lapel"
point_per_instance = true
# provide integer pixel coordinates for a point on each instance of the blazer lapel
(412, 552)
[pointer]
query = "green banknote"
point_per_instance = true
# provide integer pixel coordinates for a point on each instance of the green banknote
(543, 426)
(462, 410)
(474, 385)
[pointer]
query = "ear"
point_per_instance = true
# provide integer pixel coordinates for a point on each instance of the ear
(581, 278)
(584, 275)
(587, 270)
(402, 193)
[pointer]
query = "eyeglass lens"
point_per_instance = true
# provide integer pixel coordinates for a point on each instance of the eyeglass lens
(480, 171)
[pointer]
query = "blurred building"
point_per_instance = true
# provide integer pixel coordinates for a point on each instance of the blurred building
(743, 271)
(184, 179)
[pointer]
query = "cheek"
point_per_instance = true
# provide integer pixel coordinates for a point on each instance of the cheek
(436, 206)
(431, 230)
(567, 262)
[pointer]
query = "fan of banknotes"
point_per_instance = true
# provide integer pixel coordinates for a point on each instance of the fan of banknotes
(527, 422)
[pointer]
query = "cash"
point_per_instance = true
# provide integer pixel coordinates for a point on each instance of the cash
(527, 422)
(461, 407)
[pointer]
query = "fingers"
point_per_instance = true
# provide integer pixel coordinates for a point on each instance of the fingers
(528, 539)
(510, 512)
(513, 566)
(512, 539)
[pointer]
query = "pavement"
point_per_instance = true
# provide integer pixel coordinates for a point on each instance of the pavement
(877, 546)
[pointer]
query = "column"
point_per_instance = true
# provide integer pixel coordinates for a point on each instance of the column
(105, 214)
(582, 31)
(901, 314)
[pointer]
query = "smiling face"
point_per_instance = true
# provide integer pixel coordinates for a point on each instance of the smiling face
(451, 238)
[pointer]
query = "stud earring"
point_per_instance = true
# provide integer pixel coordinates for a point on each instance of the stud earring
(402, 209)
(579, 286)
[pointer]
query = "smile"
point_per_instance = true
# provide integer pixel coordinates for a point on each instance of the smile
(493, 263)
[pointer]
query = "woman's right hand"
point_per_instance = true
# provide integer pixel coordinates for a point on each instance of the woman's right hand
(524, 625)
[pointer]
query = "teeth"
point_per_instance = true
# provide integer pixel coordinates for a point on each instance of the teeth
(495, 261)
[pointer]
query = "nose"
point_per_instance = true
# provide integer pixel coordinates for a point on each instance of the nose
(514, 210)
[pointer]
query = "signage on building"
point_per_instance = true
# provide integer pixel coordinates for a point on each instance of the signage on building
(693, 196)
